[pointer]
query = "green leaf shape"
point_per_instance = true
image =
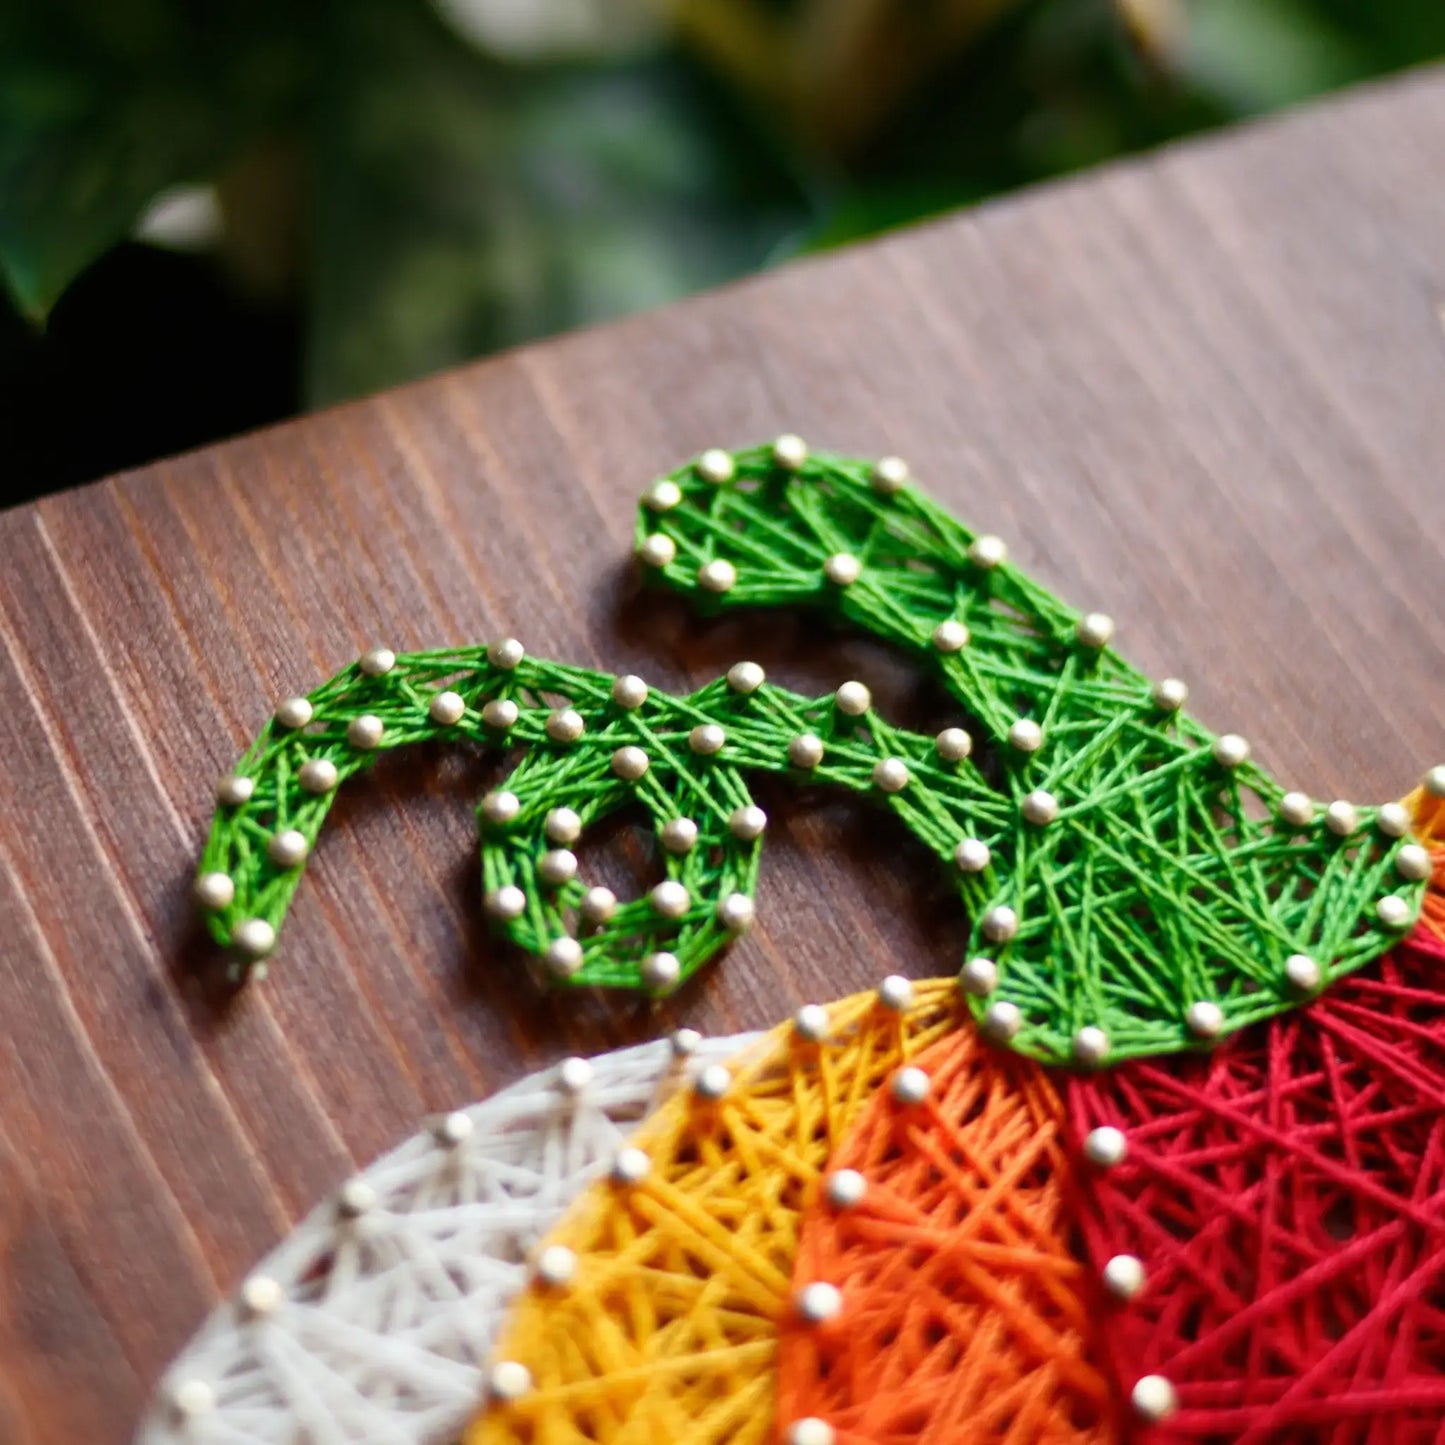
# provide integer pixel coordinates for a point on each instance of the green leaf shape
(1165, 878)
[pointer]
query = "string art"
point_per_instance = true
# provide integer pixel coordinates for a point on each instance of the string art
(1426, 806)
(946, 1223)
(1282, 1204)
(373, 1321)
(880, 1223)
(1136, 884)
(667, 1327)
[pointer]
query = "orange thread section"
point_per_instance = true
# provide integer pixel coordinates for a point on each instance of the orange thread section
(667, 1331)
(968, 1314)
(1427, 813)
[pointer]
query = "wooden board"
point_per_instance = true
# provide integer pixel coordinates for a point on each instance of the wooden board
(1205, 392)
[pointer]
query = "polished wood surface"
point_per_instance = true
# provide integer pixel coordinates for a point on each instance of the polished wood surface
(1205, 392)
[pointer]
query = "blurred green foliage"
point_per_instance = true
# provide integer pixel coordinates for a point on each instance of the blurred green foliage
(421, 183)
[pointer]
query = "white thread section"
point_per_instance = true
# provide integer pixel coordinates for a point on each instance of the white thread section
(387, 1315)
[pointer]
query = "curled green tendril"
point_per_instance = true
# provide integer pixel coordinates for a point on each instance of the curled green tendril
(1126, 868)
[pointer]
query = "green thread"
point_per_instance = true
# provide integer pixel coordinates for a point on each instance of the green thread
(1165, 878)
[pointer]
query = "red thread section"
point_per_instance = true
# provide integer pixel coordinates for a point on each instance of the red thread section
(944, 1223)
(1285, 1197)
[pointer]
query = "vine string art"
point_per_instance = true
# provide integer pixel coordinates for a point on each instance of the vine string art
(1136, 884)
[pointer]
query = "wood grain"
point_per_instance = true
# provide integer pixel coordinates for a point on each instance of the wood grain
(1205, 392)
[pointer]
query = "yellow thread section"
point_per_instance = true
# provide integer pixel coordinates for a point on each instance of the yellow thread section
(668, 1333)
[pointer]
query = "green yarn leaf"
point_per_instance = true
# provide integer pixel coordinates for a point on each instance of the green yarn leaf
(1122, 864)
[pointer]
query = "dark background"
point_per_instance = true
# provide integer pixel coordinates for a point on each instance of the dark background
(213, 215)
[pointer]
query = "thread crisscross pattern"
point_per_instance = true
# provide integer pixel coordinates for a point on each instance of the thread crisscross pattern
(388, 1297)
(968, 1314)
(1145, 866)
(1427, 812)
(669, 1328)
(1286, 1199)
(1132, 880)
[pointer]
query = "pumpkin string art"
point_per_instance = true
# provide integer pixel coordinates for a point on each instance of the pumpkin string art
(1166, 1158)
